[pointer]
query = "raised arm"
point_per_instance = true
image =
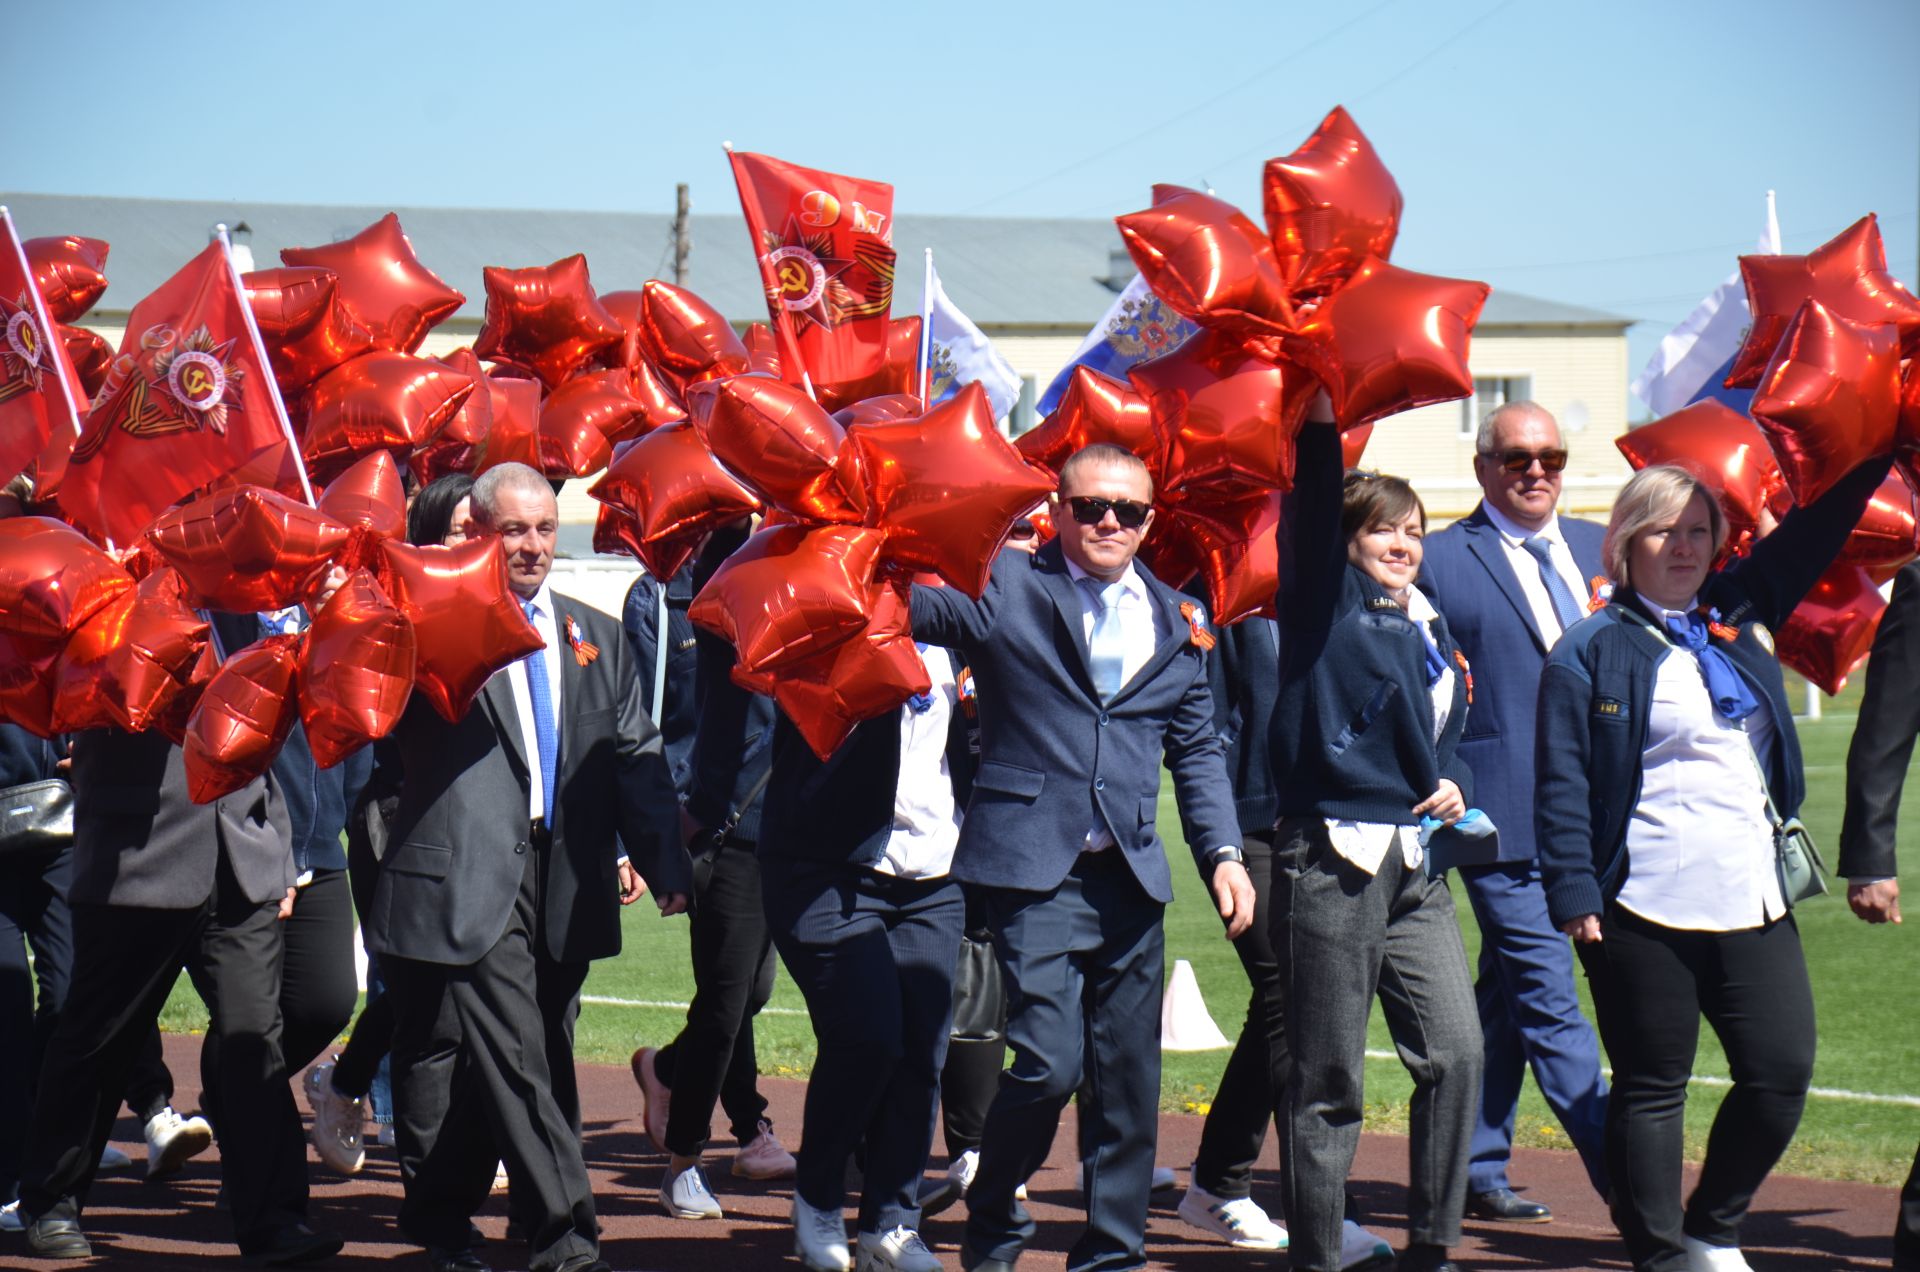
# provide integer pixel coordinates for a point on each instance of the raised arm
(1783, 567)
(1313, 557)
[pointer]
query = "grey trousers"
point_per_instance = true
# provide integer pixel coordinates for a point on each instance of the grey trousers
(1341, 936)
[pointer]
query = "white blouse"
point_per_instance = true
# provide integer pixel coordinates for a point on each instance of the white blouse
(1700, 853)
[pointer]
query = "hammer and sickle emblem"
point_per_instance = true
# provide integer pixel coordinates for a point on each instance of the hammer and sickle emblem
(793, 278)
(196, 381)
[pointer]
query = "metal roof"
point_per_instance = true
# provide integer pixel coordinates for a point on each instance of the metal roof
(1001, 271)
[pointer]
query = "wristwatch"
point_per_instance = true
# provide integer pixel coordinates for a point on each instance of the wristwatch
(1228, 853)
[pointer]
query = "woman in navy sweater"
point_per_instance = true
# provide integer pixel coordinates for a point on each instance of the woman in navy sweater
(1373, 695)
(1666, 751)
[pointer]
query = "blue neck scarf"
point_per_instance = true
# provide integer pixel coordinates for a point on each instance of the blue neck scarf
(1728, 689)
(1436, 665)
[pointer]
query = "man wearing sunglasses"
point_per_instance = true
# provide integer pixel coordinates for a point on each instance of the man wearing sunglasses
(1089, 672)
(1509, 578)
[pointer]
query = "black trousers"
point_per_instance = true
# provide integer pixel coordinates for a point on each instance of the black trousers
(317, 988)
(874, 956)
(125, 963)
(373, 1031)
(476, 1083)
(1084, 968)
(33, 912)
(713, 1057)
(1651, 986)
(1906, 1232)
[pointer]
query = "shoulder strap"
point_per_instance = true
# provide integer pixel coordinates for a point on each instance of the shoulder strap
(660, 651)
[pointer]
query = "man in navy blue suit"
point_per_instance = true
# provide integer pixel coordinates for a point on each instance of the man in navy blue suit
(1088, 671)
(1509, 578)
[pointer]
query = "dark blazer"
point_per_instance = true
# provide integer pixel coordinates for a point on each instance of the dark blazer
(1243, 674)
(1883, 737)
(1054, 759)
(139, 840)
(841, 810)
(1598, 684)
(1352, 733)
(457, 845)
(733, 745)
(1469, 579)
(640, 618)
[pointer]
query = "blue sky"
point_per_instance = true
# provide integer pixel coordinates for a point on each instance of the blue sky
(1613, 155)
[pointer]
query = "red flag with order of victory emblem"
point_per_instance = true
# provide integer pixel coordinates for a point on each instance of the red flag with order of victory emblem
(189, 399)
(825, 246)
(40, 394)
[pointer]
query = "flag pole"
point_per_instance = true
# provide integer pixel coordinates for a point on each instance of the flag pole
(48, 332)
(260, 352)
(926, 331)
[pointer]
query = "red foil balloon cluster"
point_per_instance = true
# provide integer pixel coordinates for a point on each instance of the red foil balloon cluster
(70, 273)
(1310, 303)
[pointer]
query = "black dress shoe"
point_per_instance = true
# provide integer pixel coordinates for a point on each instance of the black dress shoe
(441, 1260)
(1425, 1258)
(291, 1246)
(1503, 1205)
(974, 1263)
(584, 1263)
(57, 1236)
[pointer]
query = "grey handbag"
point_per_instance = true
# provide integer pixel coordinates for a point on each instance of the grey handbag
(36, 820)
(1798, 861)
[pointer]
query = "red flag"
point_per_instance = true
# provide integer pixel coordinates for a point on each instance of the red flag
(40, 394)
(825, 244)
(189, 399)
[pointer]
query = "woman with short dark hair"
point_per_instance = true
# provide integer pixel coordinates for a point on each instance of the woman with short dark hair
(1667, 763)
(1373, 695)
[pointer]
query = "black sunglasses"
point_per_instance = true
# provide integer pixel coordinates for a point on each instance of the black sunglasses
(1089, 509)
(1519, 461)
(1022, 529)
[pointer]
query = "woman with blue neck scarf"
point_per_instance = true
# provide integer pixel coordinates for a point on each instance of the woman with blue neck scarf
(1667, 757)
(1372, 699)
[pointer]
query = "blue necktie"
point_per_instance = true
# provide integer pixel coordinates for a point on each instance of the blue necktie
(545, 736)
(1731, 696)
(1107, 646)
(1565, 608)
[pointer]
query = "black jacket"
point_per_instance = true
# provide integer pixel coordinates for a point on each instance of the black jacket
(734, 742)
(641, 618)
(1598, 683)
(1883, 737)
(1244, 673)
(1352, 734)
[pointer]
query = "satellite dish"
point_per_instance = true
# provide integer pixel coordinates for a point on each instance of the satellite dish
(1576, 417)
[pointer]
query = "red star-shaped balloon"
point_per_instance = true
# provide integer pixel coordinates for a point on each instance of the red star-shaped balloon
(1096, 408)
(381, 280)
(52, 578)
(600, 404)
(1330, 205)
(1231, 417)
(246, 548)
(242, 717)
(673, 488)
(1721, 447)
(379, 401)
(828, 694)
(357, 672)
(127, 664)
(946, 486)
(545, 319)
(781, 443)
(26, 681)
(792, 592)
(1888, 533)
(70, 271)
(370, 496)
(307, 329)
(1390, 340)
(1234, 549)
(1848, 274)
(513, 424)
(1830, 399)
(467, 623)
(1210, 263)
(685, 337)
(1831, 632)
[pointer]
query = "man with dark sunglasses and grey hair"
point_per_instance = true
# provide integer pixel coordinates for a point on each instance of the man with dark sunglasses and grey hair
(1509, 578)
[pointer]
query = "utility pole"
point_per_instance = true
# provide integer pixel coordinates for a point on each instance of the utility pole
(682, 243)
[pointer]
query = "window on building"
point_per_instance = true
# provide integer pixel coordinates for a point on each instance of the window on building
(1021, 417)
(1490, 394)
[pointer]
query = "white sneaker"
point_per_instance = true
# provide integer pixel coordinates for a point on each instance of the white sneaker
(112, 1158)
(338, 1122)
(1361, 1249)
(820, 1238)
(1702, 1257)
(939, 1192)
(765, 1157)
(900, 1250)
(10, 1220)
(684, 1194)
(500, 1181)
(172, 1139)
(1240, 1222)
(1164, 1179)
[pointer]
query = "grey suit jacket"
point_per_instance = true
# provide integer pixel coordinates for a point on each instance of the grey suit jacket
(139, 840)
(457, 845)
(1054, 759)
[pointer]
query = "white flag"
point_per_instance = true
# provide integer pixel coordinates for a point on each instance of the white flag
(1699, 348)
(955, 353)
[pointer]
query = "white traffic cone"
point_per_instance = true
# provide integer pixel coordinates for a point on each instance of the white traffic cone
(1185, 1023)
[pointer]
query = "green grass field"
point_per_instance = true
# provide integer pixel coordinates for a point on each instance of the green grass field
(1863, 979)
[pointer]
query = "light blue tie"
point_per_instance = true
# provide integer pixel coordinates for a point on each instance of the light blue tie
(545, 736)
(1565, 608)
(1107, 647)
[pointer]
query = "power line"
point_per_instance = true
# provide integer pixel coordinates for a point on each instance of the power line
(1194, 109)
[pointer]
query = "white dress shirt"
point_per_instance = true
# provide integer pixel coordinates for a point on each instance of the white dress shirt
(1139, 629)
(546, 624)
(1366, 844)
(1700, 853)
(1527, 568)
(926, 820)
